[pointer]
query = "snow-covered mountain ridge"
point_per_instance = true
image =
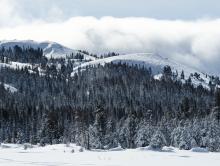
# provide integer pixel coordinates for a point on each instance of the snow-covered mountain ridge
(156, 63)
(50, 49)
(149, 60)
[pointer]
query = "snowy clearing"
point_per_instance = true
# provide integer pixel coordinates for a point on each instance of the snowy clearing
(57, 155)
(10, 88)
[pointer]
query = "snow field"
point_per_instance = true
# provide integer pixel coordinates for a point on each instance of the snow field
(62, 155)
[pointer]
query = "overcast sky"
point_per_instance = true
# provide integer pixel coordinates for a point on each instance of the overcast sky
(64, 9)
(185, 30)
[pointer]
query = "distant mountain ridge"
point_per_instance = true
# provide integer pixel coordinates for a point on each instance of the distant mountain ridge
(130, 101)
(50, 49)
(155, 61)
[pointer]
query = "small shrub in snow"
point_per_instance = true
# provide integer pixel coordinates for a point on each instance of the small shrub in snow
(72, 151)
(55, 141)
(68, 144)
(27, 146)
(42, 142)
(81, 149)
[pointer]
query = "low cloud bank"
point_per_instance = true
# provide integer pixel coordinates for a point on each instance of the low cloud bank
(196, 43)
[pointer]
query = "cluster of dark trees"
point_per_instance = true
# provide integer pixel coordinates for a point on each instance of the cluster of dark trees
(110, 54)
(23, 55)
(105, 55)
(106, 106)
(79, 56)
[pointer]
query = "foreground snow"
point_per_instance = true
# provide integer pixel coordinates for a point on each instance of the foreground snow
(54, 155)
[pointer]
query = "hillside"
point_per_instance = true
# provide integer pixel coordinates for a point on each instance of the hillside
(133, 100)
(156, 63)
(50, 49)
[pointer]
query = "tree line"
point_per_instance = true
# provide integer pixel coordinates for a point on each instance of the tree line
(106, 106)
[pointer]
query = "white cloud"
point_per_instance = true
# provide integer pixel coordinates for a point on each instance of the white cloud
(55, 13)
(193, 42)
(8, 14)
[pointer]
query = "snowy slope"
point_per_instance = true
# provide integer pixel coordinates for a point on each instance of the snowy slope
(61, 155)
(10, 88)
(155, 61)
(15, 65)
(50, 49)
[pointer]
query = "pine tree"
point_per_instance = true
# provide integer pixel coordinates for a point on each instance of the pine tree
(182, 75)
(217, 103)
(158, 140)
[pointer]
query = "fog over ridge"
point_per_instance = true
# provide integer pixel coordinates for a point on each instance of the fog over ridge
(191, 42)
